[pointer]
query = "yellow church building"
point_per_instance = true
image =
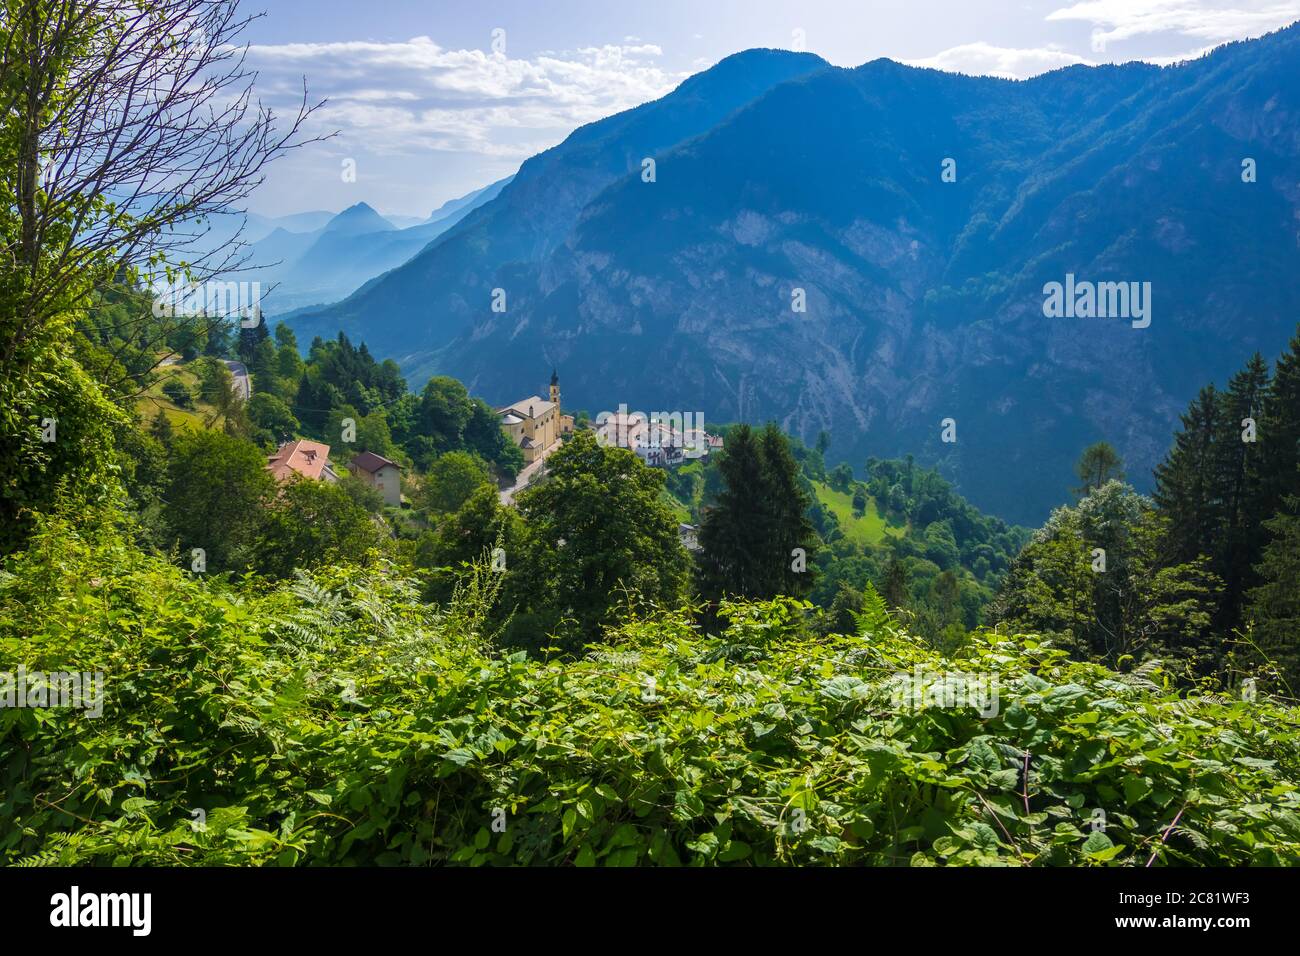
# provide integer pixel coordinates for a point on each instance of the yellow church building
(534, 423)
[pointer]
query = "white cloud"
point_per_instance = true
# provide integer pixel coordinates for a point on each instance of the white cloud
(414, 95)
(1122, 19)
(1198, 20)
(985, 59)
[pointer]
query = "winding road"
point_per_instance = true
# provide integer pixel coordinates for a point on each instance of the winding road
(239, 372)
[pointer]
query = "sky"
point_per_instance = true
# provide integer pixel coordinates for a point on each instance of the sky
(431, 99)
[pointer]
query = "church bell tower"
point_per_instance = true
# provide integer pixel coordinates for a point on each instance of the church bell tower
(555, 388)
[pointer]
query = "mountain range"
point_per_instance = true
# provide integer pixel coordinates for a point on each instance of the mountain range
(918, 217)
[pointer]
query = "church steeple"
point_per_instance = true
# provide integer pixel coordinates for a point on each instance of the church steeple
(555, 388)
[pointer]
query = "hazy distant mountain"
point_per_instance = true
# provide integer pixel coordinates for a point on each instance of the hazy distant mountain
(297, 222)
(924, 298)
(454, 210)
(219, 231)
(404, 222)
(348, 249)
(357, 220)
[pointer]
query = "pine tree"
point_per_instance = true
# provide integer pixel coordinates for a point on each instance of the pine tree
(731, 533)
(1184, 490)
(1275, 603)
(161, 428)
(1236, 477)
(249, 338)
(793, 535)
(895, 590)
(1098, 464)
(752, 536)
(1279, 434)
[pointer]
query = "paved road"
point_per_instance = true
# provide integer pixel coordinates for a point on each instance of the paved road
(239, 372)
(525, 476)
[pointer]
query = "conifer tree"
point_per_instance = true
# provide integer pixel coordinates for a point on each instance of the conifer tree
(1236, 475)
(1275, 603)
(1279, 436)
(1098, 464)
(895, 590)
(757, 540)
(1184, 489)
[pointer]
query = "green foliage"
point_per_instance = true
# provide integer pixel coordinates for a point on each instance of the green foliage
(478, 527)
(216, 489)
(179, 393)
(1275, 603)
(451, 480)
(1211, 487)
(312, 524)
(1094, 577)
(598, 537)
(272, 419)
(1100, 463)
(756, 538)
(336, 720)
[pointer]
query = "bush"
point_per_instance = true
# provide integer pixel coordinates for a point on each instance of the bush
(178, 393)
(335, 719)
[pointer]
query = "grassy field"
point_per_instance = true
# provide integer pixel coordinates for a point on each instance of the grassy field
(871, 528)
(152, 400)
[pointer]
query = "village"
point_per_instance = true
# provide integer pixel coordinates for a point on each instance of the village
(537, 426)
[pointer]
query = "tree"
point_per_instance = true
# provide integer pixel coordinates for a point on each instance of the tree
(1275, 603)
(250, 338)
(841, 617)
(288, 363)
(264, 365)
(756, 538)
(1280, 433)
(1095, 579)
(451, 480)
(471, 535)
(599, 537)
(445, 410)
(841, 476)
(859, 501)
(1098, 464)
(161, 428)
(122, 124)
(178, 392)
(1185, 492)
(217, 487)
(312, 524)
(484, 436)
(896, 590)
(272, 418)
(1236, 465)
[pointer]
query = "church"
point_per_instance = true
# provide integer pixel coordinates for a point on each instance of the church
(534, 423)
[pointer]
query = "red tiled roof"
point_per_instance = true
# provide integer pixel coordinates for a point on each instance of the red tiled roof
(306, 458)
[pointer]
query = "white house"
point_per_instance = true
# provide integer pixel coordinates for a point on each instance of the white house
(379, 473)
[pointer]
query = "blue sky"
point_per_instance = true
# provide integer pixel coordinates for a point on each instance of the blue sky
(428, 110)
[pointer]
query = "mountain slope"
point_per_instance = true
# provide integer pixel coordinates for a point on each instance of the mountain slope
(539, 206)
(924, 297)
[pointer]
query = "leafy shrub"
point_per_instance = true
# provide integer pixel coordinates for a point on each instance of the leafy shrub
(334, 719)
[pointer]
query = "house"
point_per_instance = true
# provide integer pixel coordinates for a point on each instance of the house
(379, 473)
(310, 459)
(658, 440)
(534, 423)
(689, 534)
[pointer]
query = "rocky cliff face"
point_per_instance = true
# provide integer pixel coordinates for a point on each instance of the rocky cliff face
(923, 298)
